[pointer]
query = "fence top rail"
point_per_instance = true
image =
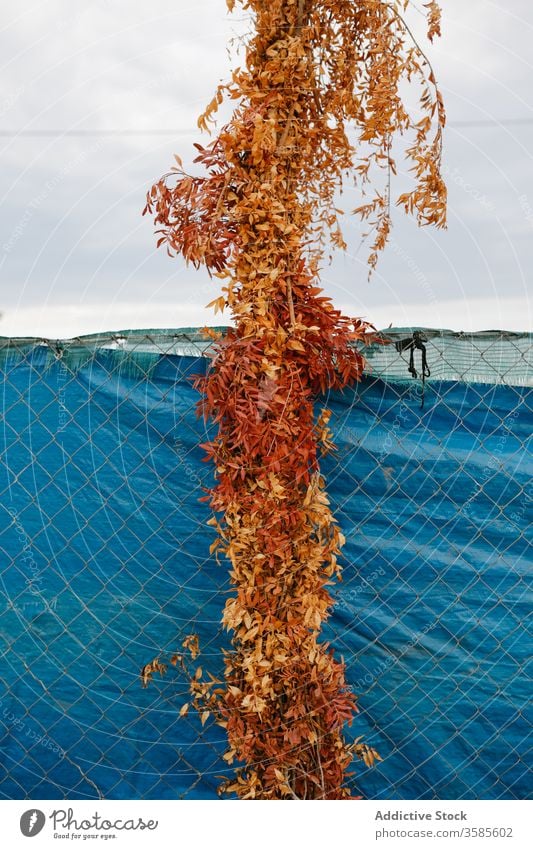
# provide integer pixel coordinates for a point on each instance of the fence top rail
(488, 356)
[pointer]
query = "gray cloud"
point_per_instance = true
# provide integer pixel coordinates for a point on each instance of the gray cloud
(72, 241)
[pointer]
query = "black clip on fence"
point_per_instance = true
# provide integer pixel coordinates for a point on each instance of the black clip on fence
(417, 341)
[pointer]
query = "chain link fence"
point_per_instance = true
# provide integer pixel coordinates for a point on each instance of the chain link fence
(104, 563)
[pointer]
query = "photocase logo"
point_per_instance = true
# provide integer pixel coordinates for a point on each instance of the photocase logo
(32, 822)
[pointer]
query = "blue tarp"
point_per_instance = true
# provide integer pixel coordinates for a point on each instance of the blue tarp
(104, 564)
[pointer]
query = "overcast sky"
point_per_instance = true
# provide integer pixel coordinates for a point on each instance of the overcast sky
(77, 257)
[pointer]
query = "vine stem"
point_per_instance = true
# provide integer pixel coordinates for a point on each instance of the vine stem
(291, 304)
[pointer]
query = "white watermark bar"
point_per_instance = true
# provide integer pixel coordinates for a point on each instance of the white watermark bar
(267, 825)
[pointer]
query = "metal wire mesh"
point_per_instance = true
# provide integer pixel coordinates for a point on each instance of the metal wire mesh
(105, 564)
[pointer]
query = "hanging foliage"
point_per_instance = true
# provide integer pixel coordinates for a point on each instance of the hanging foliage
(317, 101)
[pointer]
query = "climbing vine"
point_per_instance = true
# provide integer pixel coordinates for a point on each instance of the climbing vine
(318, 101)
